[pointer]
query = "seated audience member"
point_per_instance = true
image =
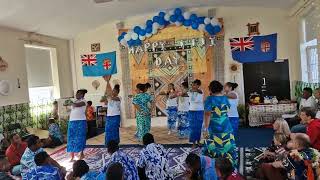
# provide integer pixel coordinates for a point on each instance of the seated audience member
(307, 99)
(153, 162)
(225, 170)
(81, 171)
(44, 170)
(128, 164)
(281, 126)
(297, 163)
(317, 96)
(15, 152)
(27, 159)
(55, 136)
(4, 169)
(115, 172)
(306, 114)
(200, 167)
(55, 110)
(90, 115)
(313, 127)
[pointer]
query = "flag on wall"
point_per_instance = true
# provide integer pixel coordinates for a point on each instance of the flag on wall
(254, 48)
(99, 64)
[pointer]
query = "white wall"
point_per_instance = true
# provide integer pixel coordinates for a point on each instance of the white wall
(13, 51)
(235, 19)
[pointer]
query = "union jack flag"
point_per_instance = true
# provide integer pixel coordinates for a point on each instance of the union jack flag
(242, 44)
(89, 60)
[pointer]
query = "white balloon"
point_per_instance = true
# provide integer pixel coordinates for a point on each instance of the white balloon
(207, 20)
(148, 35)
(167, 17)
(143, 26)
(186, 15)
(214, 22)
(201, 27)
(134, 36)
(178, 23)
(127, 37)
(142, 38)
(123, 42)
(154, 31)
(130, 32)
(171, 12)
(155, 26)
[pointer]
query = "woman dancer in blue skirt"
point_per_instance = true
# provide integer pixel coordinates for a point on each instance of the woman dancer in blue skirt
(113, 113)
(77, 128)
(229, 89)
(183, 111)
(172, 107)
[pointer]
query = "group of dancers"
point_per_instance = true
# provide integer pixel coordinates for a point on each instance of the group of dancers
(189, 113)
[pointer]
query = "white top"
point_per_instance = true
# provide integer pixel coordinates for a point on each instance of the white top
(78, 113)
(114, 107)
(172, 102)
(310, 102)
(183, 104)
(233, 111)
(196, 101)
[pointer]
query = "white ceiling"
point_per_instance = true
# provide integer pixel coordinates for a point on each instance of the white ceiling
(66, 18)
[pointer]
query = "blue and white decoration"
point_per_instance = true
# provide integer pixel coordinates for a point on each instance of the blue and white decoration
(177, 17)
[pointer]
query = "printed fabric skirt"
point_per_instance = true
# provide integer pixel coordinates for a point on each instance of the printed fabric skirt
(172, 117)
(183, 124)
(77, 132)
(112, 129)
(143, 124)
(196, 120)
(221, 145)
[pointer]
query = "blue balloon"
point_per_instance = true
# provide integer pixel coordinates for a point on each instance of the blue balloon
(120, 38)
(123, 34)
(142, 32)
(193, 17)
(216, 29)
(178, 11)
(161, 21)
(187, 22)
(180, 19)
(166, 23)
(137, 42)
(149, 29)
(173, 18)
(149, 23)
(131, 42)
(136, 29)
(155, 19)
(162, 14)
(209, 28)
(195, 25)
(200, 20)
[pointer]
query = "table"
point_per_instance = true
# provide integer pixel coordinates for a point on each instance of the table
(265, 114)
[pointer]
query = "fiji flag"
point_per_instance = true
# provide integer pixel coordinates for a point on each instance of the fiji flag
(99, 64)
(254, 48)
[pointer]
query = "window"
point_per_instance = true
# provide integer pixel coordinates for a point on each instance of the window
(312, 64)
(41, 95)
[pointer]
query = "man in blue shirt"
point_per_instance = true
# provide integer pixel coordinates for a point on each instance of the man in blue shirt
(200, 167)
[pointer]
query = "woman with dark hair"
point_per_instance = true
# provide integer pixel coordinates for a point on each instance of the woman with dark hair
(172, 107)
(220, 140)
(80, 169)
(113, 113)
(229, 89)
(143, 112)
(77, 127)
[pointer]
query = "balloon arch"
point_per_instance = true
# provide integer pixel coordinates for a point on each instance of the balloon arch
(176, 16)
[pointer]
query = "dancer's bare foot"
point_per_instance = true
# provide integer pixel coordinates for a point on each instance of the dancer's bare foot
(72, 157)
(194, 146)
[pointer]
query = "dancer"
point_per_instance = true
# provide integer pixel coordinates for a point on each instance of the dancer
(220, 141)
(195, 112)
(233, 114)
(172, 107)
(143, 112)
(183, 110)
(77, 127)
(113, 113)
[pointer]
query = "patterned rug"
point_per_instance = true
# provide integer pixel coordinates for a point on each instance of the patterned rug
(97, 156)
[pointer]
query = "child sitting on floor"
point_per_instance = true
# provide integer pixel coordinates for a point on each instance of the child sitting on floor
(55, 136)
(80, 170)
(225, 170)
